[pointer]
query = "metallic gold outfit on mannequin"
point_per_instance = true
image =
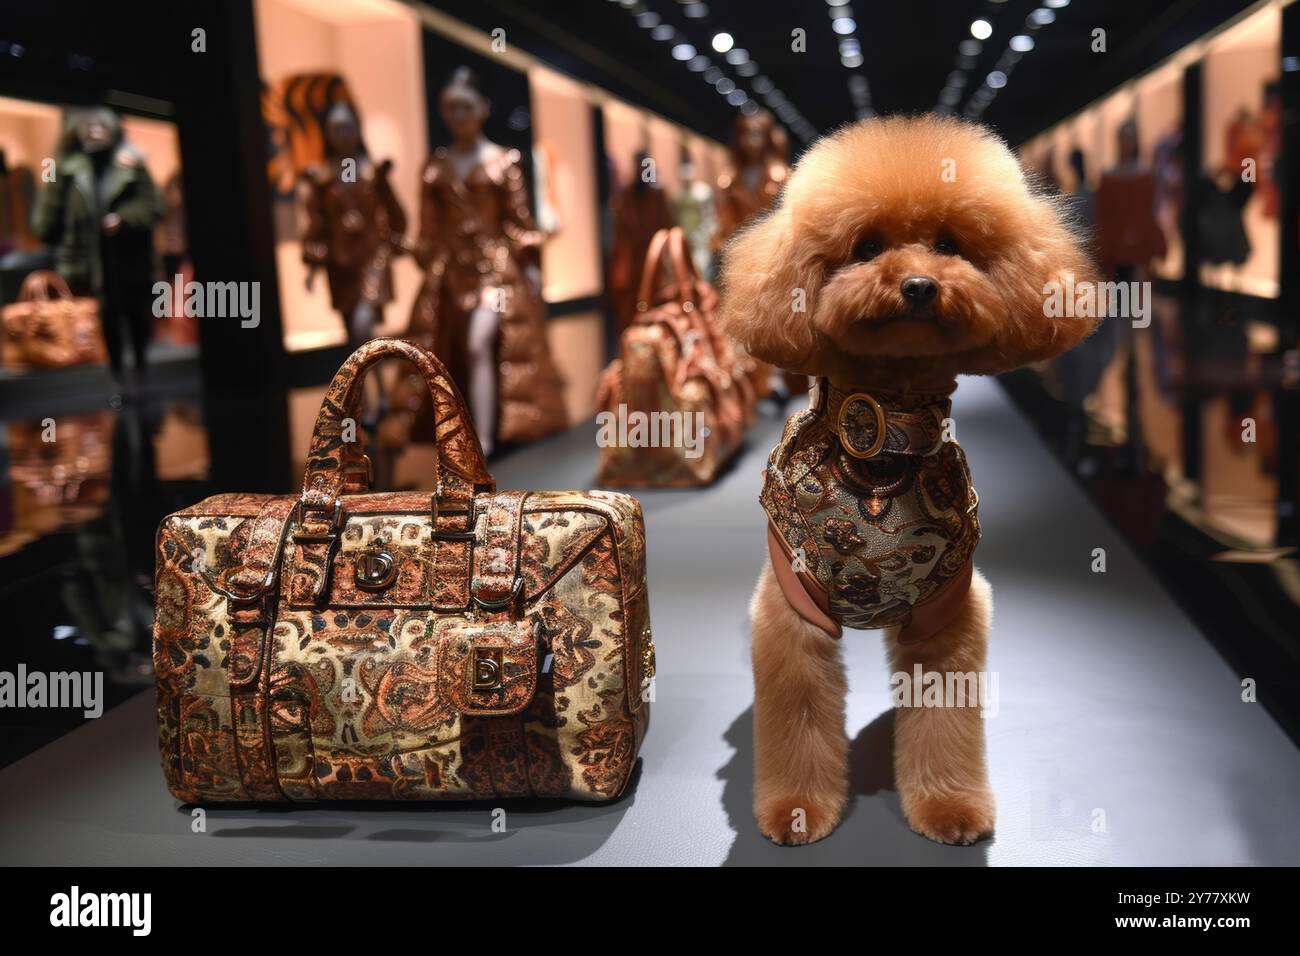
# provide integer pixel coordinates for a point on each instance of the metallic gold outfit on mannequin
(477, 235)
(353, 231)
(756, 142)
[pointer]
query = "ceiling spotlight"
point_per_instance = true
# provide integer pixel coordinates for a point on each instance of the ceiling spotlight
(748, 68)
(1041, 17)
(970, 47)
(850, 46)
(698, 64)
(696, 11)
(836, 3)
(647, 20)
(852, 61)
(844, 26)
(837, 12)
(725, 85)
(762, 85)
(663, 33)
(749, 107)
(737, 56)
(858, 84)
(737, 97)
(722, 42)
(1056, 4)
(997, 79)
(1021, 43)
(981, 29)
(957, 79)
(712, 75)
(683, 51)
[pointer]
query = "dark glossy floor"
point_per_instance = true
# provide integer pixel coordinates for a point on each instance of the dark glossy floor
(1120, 736)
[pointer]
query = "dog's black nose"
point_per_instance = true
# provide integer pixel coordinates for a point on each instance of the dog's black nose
(919, 290)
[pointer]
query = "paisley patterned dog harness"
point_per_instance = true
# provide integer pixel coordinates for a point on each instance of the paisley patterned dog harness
(872, 517)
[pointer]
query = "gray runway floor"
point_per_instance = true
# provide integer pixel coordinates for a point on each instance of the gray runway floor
(1121, 737)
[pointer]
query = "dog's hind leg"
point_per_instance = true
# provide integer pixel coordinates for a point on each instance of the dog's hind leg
(800, 747)
(939, 762)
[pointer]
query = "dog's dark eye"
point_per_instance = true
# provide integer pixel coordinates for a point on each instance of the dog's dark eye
(868, 249)
(945, 247)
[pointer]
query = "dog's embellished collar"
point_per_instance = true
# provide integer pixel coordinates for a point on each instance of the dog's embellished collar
(872, 422)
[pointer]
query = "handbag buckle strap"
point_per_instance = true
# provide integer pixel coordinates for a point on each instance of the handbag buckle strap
(329, 538)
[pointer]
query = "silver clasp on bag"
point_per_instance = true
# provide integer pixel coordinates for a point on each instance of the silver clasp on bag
(490, 605)
(234, 594)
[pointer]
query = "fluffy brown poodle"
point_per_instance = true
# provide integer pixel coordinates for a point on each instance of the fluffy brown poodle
(902, 252)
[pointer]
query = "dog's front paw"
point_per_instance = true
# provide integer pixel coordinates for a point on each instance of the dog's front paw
(791, 821)
(960, 818)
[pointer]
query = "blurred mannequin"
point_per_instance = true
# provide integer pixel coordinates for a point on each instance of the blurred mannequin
(695, 214)
(758, 169)
(354, 226)
(99, 214)
(1079, 370)
(172, 242)
(639, 209)
(760, 164)
(480, 308)
(1128, 238)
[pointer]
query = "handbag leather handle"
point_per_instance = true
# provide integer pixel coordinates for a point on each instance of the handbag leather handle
(38, 286)
(460, 469)
(673, 242)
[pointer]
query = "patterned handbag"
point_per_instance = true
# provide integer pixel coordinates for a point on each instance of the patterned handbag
(345, 645)
(677, 378)
(50, 328)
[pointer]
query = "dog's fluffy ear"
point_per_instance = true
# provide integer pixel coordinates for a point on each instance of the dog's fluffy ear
(768, 283)
(1049, 255)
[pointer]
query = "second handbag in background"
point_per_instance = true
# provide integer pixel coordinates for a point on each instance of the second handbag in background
(676, 403)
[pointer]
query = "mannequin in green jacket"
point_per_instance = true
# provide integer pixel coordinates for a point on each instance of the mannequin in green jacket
(99, 213)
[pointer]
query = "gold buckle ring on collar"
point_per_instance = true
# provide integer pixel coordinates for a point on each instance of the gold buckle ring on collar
(878, 443)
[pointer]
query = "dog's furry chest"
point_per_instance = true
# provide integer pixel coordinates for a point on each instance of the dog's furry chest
(872, 537)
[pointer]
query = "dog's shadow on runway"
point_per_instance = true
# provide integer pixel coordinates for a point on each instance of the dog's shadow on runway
(872, 832)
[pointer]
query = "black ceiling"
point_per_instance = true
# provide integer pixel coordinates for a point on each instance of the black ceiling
(909, 47)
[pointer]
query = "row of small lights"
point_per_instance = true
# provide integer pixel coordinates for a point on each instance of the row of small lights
(736, 57)
(969, 50)
(850, 49)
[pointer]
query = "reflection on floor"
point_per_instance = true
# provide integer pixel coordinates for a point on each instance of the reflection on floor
(1172, 429)
(1120, 735)
(80, 497)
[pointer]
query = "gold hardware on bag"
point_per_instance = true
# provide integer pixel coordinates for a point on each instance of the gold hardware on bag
(486, 672)
(647, 655)
(375, 570)
(878, 441)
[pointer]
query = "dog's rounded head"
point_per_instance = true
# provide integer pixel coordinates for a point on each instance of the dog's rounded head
(909, 240)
